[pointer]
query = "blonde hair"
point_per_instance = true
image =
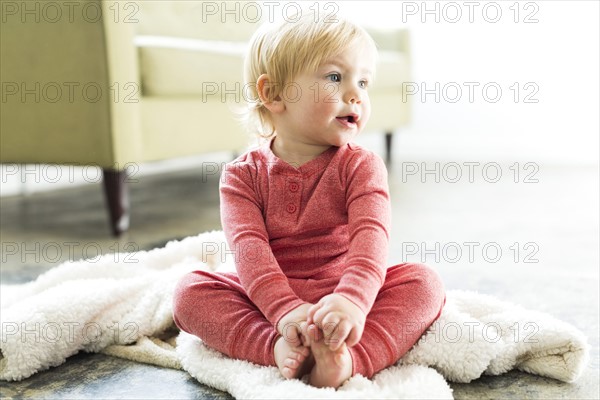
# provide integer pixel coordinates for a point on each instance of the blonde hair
(288, 49)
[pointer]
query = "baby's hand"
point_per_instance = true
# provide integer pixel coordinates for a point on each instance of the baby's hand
(340, 320)
(292, 326)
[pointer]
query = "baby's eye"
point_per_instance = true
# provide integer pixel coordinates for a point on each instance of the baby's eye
(363, 84)
(334, 77)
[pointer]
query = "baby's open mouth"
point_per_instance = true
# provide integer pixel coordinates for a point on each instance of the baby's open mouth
(350, 118)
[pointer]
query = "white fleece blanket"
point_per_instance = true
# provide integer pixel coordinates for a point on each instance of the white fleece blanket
(121, 305)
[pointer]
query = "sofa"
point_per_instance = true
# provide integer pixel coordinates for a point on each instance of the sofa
(113, 84)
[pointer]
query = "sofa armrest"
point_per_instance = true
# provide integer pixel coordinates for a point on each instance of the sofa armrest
(60, 79)
(124, 75)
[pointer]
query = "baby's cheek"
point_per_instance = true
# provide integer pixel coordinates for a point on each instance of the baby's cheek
(329, 106)
(366, 109)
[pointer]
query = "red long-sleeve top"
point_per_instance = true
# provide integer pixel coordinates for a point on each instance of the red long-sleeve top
(328, 218)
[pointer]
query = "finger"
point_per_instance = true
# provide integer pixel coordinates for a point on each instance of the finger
(315, 333)
(295, 341)
(320, 314)
(306, 341)
(341, 334)
(330, 324)
(290, 334)
(314, 307)
(311, 312)
(354, 336)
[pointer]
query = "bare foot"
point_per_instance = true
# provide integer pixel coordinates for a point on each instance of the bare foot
(332, 368)
(291, 360)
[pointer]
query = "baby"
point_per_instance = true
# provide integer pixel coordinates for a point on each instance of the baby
(307, 216)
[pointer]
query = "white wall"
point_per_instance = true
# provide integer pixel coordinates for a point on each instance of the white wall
(559, 54)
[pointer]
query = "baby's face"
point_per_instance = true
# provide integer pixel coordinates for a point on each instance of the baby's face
(331, 106)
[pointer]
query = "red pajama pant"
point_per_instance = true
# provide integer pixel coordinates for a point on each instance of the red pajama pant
(215, 308)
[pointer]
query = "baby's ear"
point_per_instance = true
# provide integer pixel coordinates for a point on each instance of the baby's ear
(266, 92)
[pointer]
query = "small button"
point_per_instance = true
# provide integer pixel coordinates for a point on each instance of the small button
(294, 187)
(291, 208)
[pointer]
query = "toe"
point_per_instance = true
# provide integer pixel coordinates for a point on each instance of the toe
(287, 373)
(290, 363)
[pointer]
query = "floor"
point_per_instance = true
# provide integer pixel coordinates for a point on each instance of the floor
(553, 221)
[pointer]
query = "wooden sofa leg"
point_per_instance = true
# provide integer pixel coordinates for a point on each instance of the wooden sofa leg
(117, 199)
(388, 147)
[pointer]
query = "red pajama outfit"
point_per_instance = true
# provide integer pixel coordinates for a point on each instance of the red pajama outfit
(299, 234)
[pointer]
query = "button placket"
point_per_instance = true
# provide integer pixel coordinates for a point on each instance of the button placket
(294, 195)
